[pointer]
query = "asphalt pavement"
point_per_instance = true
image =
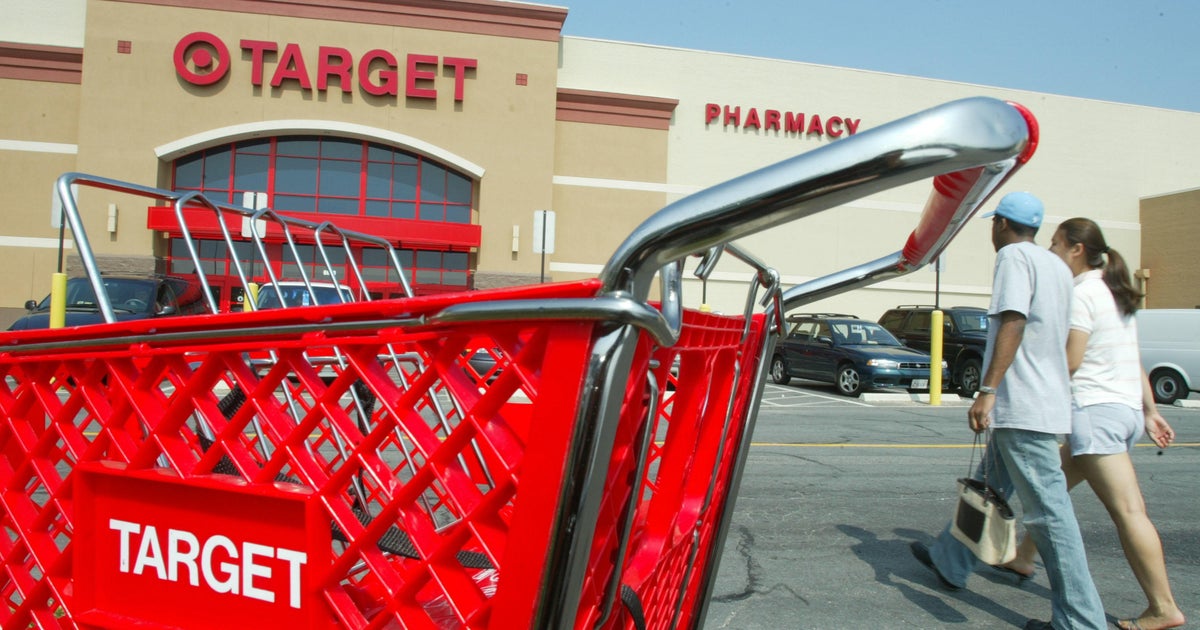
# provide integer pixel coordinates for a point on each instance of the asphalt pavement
(836, 489)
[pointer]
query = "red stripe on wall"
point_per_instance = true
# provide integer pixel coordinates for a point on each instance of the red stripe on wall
(32, 62)
(623, 110)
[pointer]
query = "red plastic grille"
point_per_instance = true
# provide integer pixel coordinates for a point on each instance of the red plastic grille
(420, 467)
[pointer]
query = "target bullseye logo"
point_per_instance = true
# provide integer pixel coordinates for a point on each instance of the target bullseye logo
(198, 50)
(202, 59)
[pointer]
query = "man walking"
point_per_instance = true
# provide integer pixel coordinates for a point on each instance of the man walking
(1025, 398)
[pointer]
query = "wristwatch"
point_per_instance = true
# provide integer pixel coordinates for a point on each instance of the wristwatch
(984, 389)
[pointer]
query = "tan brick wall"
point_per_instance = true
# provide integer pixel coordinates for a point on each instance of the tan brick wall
(116, 265)
(491, 280)
(1170, 233)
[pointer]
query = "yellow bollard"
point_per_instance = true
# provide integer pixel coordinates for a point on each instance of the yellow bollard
(935, 358)
(58, 300)
(250, 297)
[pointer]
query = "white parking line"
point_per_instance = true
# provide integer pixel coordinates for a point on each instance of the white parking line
(773, 396)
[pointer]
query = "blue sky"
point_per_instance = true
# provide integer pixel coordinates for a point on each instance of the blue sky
(1145, 52)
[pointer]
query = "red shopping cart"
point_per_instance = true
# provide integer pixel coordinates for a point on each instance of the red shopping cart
(357, 466)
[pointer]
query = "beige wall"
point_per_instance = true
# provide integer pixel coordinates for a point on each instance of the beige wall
(1170, 231)
(34, 112)
(592, 222)
(46, 22)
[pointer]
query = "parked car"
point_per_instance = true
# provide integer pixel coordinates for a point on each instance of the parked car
(854, 354)
(1169, 341)
(296, 294)
(964, 335)
(131, 297)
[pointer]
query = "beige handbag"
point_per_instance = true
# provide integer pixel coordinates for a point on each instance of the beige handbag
(983, 520)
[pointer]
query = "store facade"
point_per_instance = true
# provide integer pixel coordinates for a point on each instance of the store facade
(444, 126)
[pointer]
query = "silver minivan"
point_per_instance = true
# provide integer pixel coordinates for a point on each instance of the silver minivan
(1170, 345)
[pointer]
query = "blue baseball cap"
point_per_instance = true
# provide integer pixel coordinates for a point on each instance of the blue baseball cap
(1020, 207)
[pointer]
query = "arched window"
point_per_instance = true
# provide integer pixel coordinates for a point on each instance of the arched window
(330, 176)
(353, 179)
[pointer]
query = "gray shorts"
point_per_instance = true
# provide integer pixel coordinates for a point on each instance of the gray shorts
(1105, 429)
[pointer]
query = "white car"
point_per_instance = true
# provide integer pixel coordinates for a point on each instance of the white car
(296, 294)
(1169, 340)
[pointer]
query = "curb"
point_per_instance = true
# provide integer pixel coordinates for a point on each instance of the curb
(1190, 404)
(947, 399)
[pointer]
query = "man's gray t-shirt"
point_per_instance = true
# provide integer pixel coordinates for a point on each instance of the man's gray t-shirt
(1035, 393)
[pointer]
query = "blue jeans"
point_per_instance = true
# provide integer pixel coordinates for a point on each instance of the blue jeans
(1029, 463)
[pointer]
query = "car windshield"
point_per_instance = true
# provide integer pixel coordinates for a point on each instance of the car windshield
(972, 322)
(853, 333)
(298, 295)
(124, 294)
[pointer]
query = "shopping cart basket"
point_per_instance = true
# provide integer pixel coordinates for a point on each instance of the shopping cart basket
(353, 466)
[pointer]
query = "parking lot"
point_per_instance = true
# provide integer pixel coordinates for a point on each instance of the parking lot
(836, 488)
(805, 393)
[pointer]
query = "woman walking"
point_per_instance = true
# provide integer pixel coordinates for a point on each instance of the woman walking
(1111, 407)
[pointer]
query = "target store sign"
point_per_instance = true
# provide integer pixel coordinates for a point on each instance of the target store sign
(163, 550)
(204, 59)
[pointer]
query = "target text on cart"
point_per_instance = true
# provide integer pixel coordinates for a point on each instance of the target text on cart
(156, 545)
(224, 566)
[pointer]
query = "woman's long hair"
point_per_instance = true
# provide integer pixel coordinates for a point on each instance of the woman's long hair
(1116, 274)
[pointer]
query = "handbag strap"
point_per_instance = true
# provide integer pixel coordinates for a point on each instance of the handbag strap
(983, 463)
(983, 460)
(971, 463)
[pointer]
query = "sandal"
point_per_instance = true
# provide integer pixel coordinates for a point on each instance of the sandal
(1022, 577)
(1134, 624)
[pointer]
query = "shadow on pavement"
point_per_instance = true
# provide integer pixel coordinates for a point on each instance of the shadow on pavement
(894, 566)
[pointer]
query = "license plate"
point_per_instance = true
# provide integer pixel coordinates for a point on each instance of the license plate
(920, 383)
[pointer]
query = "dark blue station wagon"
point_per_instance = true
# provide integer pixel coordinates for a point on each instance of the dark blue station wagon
(853, 354)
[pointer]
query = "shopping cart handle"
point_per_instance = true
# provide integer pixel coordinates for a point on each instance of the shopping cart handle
(955, 198)
(983, 139)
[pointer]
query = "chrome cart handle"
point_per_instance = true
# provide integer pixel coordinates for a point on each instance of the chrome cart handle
(978, 140)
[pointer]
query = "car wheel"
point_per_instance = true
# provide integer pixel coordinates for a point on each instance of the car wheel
(968, 377)
(779, 373)
(1168, 386)
(849, 382)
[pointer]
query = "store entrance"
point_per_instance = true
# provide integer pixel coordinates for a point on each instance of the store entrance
(428, 271)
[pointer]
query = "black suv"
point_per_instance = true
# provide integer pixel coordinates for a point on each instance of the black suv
(963, 338)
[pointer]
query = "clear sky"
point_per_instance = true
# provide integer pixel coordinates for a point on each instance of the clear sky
(1145, 52)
